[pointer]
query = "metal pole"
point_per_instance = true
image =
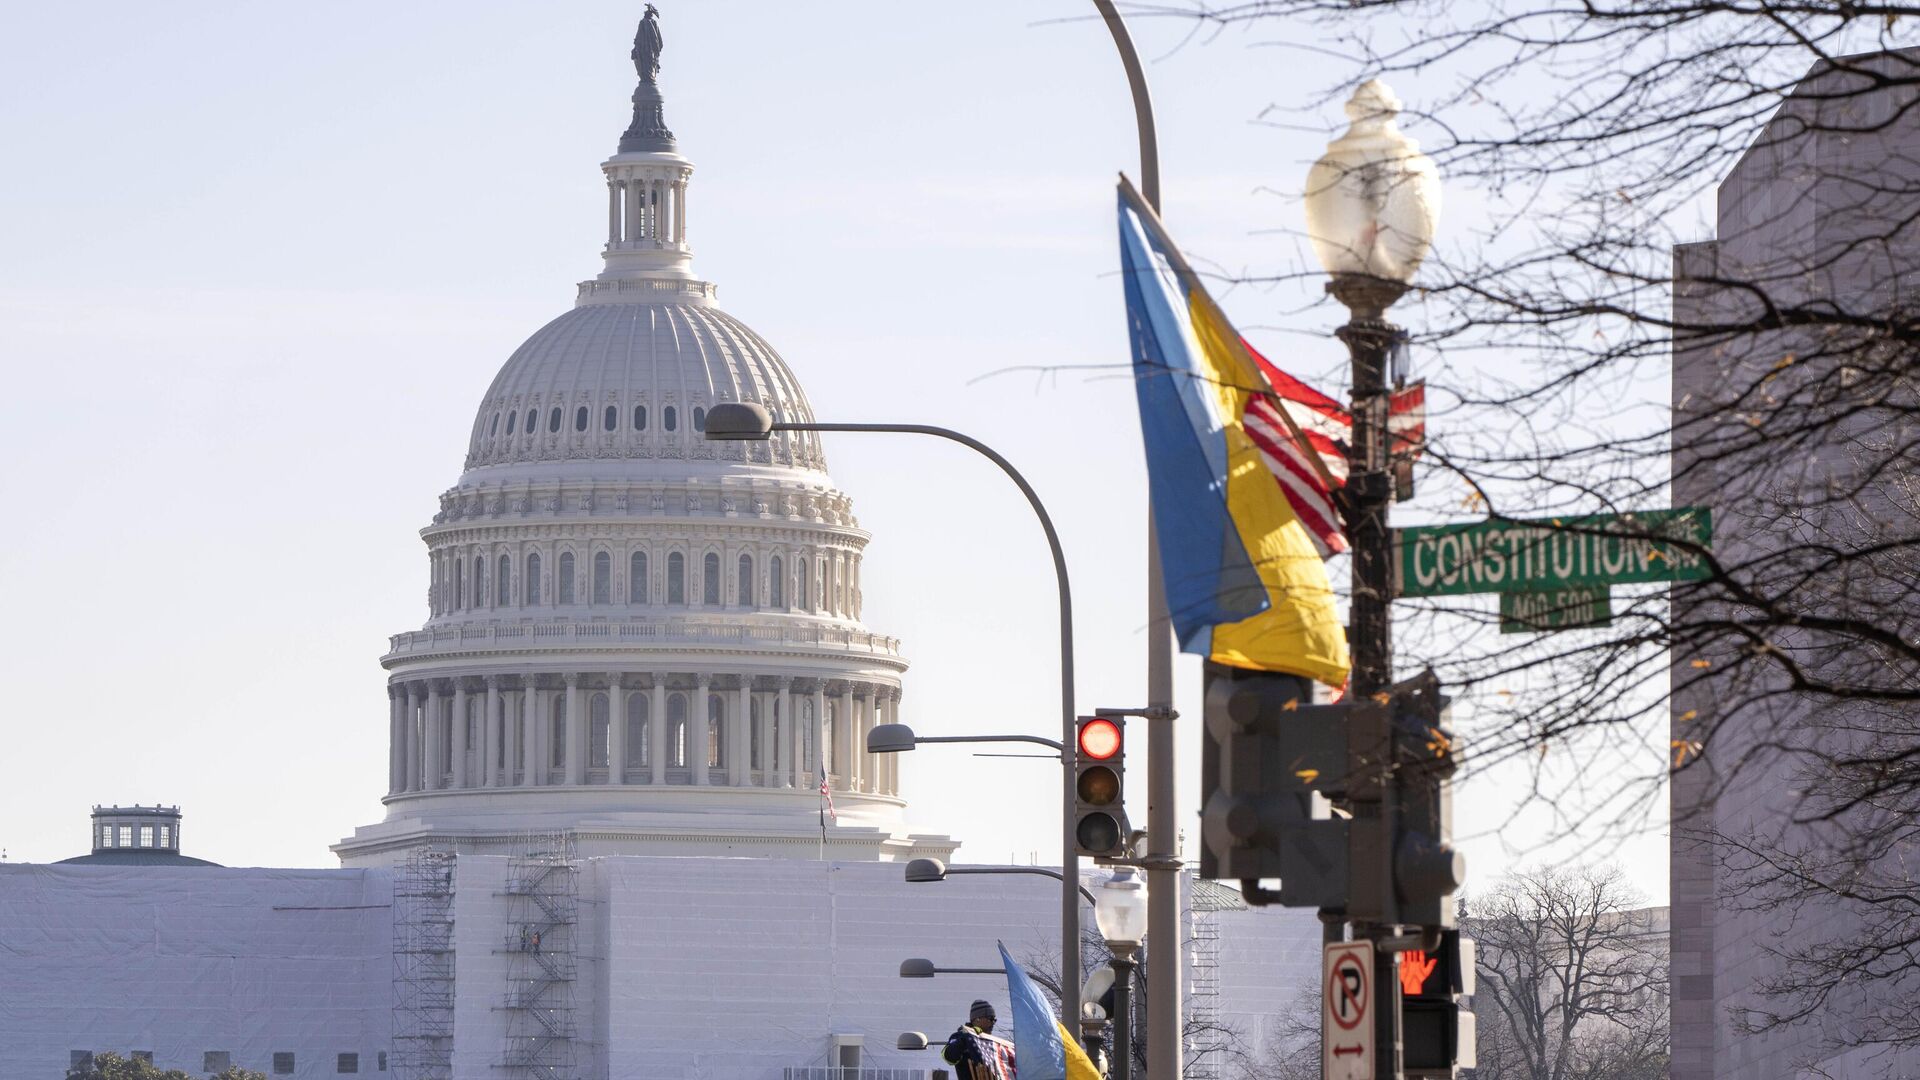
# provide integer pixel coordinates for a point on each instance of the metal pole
(1071, 972)
(1123, 1011)
(1165, 1046)
(1366, 499)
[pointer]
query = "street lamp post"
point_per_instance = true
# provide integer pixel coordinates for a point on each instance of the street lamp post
(1372, 201)
(739, 421)
(1121, 914)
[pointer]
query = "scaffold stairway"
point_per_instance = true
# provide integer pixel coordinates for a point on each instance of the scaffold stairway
(423, 965)
(542, 901)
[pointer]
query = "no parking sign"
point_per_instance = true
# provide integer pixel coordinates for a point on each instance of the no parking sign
(1346, 1011)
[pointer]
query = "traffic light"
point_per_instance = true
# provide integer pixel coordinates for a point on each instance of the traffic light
(1271, 766)
(1426, 868)
(1099, 788)
(1436, 1030)
(1400, 844)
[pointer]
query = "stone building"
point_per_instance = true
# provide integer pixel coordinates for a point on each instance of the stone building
(1818, 211)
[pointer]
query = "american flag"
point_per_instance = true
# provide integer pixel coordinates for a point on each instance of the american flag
(1328, 430)
(998, 1053)
(826, 796)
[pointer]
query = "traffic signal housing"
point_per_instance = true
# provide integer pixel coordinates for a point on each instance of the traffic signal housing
(1100, 825)
(1437, 1029)
(1271, 766)
(1427, 870)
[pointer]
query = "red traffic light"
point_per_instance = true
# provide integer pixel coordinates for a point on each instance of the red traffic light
(1099, 739)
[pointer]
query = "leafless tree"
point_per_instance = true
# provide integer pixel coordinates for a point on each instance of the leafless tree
(1585, 355)
(1570, 985)
(1207, 1039)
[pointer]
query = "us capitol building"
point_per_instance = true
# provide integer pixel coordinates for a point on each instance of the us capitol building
(644, 638)
(606, 850)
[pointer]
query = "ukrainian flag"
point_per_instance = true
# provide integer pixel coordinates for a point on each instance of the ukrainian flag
(1245, 585)
(1042, 1047)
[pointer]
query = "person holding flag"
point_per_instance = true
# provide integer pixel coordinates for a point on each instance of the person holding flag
(975, 1051)
(1043, 1047)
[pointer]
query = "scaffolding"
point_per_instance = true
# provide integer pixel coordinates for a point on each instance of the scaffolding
(1204, 900)
(423, 965)
(542, 895)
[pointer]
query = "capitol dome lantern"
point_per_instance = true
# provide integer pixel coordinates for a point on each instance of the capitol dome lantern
(646, 640)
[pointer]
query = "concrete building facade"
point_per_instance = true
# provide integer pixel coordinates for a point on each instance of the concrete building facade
(1817, 212)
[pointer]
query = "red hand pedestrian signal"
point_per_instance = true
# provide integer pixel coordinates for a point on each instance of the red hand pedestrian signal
(1414, 969)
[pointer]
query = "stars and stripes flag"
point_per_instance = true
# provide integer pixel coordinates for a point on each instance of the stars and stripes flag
(826, 799)
(1327, 428)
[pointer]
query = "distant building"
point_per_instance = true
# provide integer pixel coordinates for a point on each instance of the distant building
(1819, 208)
(607, 849)
(136, 836)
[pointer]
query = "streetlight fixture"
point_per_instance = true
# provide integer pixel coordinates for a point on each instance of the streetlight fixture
(911, 1040)
(924, 870)
(1121, 914)
(919, 968)
(1373, 203)
(746, 421)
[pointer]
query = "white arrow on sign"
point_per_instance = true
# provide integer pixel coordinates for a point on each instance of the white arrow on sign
(1346, 1011)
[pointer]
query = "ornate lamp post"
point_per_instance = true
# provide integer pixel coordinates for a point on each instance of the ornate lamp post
(1372, 201)
(1120, 910)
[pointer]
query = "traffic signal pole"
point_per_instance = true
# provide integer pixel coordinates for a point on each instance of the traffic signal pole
(1165, 1047)
(1365, 500)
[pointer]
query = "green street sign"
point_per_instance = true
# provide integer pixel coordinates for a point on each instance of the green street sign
(1552, 553)
(1555, 609)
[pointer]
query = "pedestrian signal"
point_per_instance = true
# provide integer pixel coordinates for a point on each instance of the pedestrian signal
(1099, 789)
(1437, 1028)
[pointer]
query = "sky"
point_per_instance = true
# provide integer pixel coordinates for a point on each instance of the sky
(263, 261)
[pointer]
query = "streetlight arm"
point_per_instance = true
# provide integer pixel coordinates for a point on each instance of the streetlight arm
(1050, 743)
(1041, 870)
(1071, 972)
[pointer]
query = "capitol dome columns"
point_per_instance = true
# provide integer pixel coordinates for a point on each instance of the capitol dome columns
(490, 734)
(616, 728)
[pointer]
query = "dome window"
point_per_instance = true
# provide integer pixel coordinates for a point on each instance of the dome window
(511, 417)
(553, 419)
(699, 418)
(602, 578)
(612, 419)
(494, 428)
(531, 583)
(580, 419)
(503, 579)
(637, 578)
(710, 580)
(668, 419)
(533, 417)
(565, 584)
(639, 418)
(676, 578)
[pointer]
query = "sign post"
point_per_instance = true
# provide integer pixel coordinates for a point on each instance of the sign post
(1347, 1011)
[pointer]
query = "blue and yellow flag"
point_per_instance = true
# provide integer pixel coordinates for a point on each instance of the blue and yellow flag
(1042, 1048)
(1245, 584)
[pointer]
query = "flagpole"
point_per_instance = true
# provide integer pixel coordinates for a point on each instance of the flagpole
(1165, 1049)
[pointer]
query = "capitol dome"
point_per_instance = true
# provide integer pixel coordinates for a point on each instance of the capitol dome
(647, 641)
(616, 379)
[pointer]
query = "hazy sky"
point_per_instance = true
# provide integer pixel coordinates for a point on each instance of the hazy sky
(262, 260)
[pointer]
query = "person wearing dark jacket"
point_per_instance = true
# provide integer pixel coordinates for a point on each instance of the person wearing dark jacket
(975, 1052)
